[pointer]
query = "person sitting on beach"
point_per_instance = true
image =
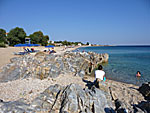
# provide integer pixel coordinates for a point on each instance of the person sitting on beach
(52, 51)
(32, 49)
(99, 76)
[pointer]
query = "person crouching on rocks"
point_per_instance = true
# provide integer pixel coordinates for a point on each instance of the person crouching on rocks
(99, 76)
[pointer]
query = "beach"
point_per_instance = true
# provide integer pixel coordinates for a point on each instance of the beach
(8, 53)
(30, 88)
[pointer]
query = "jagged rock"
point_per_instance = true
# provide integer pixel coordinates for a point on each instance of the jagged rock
(145, 106)
(145, 90)
(42, 66)
(81, 73)
(69, 99)
(102, 86)
(120, 107)
(137, 109)
(105, 57)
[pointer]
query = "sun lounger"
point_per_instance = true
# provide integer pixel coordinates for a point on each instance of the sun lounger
(20, 53)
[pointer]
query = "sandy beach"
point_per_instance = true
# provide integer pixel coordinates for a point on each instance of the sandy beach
(8, 53)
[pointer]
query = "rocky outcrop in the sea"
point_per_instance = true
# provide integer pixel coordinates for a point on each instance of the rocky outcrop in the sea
(59, 99)
(42, 66)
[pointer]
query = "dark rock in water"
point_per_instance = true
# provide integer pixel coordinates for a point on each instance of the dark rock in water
(145, 90)
(69, 99)
(144, 106)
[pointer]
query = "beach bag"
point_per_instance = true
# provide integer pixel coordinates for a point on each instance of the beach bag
(104, 79)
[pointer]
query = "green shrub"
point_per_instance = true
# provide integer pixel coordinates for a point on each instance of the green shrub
(2, 44)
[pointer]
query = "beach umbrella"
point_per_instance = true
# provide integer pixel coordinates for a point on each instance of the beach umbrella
(30, 45)
(36, 44)
(20, 45)
(50, 46)
(26, 45)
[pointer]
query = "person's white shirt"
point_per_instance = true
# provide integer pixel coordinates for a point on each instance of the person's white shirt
(99, 74)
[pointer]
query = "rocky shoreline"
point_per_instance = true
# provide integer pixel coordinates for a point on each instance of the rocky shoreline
(58, 85)
(43, 65)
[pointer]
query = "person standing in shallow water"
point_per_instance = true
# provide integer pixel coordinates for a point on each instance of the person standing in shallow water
(138, 76)
(99, 76)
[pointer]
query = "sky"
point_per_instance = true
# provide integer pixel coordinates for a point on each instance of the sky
(113, 22)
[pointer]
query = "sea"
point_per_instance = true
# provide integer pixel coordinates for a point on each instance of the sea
(124, 62)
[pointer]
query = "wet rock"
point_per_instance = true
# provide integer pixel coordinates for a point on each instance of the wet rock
(120, 107)
(145, 106)
(145, 90)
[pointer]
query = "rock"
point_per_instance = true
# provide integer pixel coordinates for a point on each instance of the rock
(145, 90)
(40, 54)
(102, 86)
(145, 106)
(137, 109)
(42, 66)
(69, 99)
(105, 58)
(81, 73)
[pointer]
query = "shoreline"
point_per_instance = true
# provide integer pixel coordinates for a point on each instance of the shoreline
(11, 87)
(27, 88)
(57, 49)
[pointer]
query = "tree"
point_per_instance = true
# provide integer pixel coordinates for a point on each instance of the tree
(39, 38)
(16, 36)
(44, 40)
(3, 36)
(36, 37)
(64, 42)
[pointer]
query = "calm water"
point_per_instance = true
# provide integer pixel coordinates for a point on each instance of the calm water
(125, 61)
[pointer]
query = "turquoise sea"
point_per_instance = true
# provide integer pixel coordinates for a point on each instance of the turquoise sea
(125, 61)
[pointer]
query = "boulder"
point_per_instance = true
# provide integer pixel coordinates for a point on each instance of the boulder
(68, 99)
(42, 65)
(145, 90)
(144, 106)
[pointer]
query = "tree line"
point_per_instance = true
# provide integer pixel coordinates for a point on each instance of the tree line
(17, 35)
(67, 43)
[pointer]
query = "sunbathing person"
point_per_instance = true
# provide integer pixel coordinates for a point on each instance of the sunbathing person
(32, 49)
(25, 50)
(52, 51)
(29, 50)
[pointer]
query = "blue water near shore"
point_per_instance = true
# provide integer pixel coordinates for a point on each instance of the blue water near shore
(125, 61)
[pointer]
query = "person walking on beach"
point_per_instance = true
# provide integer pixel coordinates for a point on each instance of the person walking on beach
(138, 76)
(99, 76)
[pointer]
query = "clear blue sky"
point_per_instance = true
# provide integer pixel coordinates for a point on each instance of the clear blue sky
(94, 21)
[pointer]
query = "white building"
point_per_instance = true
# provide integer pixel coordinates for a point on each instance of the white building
(79, 44)
(90, 44)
